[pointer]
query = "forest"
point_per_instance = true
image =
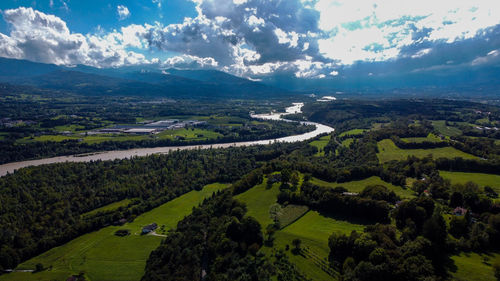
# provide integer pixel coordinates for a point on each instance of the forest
(352, 208)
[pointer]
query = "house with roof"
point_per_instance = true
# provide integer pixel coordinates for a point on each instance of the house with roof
(149, 228)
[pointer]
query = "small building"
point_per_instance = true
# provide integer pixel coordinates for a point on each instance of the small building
(149, 228)
(141, 131)
(350, 193)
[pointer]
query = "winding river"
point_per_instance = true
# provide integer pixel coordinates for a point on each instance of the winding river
(121, 154)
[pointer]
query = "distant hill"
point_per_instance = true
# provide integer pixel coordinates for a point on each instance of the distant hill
(136, 80)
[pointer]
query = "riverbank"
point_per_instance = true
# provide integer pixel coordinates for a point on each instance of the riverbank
(122, 154)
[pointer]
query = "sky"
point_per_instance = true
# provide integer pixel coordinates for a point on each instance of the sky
(310, 39)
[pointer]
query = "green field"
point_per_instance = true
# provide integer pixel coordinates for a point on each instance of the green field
(490, 180)
(389, 151)
(259, 200)
(473, 266)
(109, 207)
(291, 213)
(320, 144)
(353, 132)
(347, 142)
(440, 126)
(104, 256)
(188, 134)
(313, 229)
(430, 138)
(358, 186)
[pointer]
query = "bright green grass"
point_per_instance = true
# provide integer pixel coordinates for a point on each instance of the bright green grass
(258, 200)
(320, 144)
(490, 180)
(430, 138)
(347, 142)
(389, 151)
(440, 126)
(291, 213)
(472, 266)
(353, 132)
(313, 229)
(104, 256)
(109, 207)
(358, 186)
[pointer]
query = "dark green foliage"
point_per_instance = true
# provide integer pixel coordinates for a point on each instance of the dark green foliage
(331, 201)
(211, 243)
(248, 181)
(57, 195)
(379, 192)
(122, 232)
(376, 255)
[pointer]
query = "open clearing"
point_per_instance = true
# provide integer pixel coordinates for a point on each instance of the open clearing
(473, 266)
(258, 200)
(358, 186)
(389, 151)
(104, 256)
(320, 144)
(110, 207)
(482, 180)
(353, 132)
(312, 228)
(430, 138)
(449, 131)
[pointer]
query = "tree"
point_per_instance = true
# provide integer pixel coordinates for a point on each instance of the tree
(496, 269)
(296, 243)
(38, 267)
(275, 212)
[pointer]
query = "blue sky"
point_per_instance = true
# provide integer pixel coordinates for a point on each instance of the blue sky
(312, 39)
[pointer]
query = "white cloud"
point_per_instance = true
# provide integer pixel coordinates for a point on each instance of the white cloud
(356, 25)
(421, 53)
(491, 56)
(46, 38)
(123, 12)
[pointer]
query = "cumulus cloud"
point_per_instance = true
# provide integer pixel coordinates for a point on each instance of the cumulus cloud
(300, 38)
(46, 38)
(122, 12)
(378, 30)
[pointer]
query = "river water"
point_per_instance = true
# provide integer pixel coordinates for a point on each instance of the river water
(121, 154)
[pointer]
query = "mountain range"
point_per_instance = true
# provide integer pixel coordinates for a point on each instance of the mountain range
(151, 80)
(135, 80)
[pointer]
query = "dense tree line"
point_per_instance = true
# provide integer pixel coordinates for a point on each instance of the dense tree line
(215, 242)
(218, 242)
(41, 207)
(333, 201)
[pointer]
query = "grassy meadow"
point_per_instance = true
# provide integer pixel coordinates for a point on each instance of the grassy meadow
(110, 207)
(449, 131)
(358, 186)
(320, 144)
(430, 138)
(105, 256)
(312, 228)
(474, 266)
(481, 179)
(389, 151)
(353, 132)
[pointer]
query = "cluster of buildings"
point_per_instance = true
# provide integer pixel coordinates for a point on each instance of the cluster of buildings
(149, 127)
(9, 123)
